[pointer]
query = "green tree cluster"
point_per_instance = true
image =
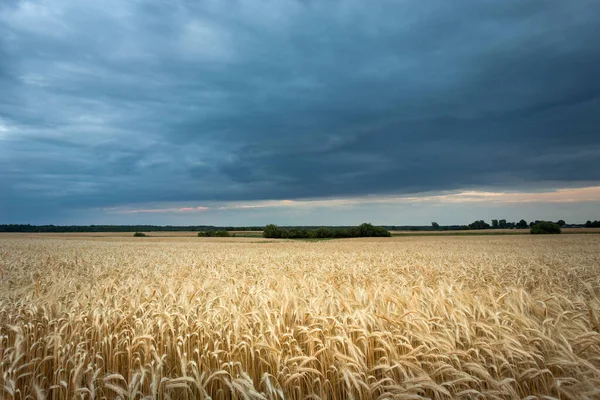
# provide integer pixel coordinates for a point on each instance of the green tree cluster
(545, 227)
(364, 230)
(503, 224)
(481, 224)
(219, 233)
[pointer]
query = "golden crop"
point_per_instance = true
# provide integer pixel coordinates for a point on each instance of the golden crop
(407, 318)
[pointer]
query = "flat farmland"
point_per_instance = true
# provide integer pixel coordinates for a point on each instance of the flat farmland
(499, 317)
(493, 232)
(87, 235)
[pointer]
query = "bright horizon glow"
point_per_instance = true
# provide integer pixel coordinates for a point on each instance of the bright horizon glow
(570, 195)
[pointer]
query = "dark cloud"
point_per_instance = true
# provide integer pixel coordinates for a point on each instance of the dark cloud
(127, 102)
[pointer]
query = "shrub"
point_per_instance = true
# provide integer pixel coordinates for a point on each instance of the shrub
(368, 230)
(139, 234)
(544, 227)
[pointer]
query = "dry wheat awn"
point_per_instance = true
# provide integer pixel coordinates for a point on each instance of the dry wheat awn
(406, 318)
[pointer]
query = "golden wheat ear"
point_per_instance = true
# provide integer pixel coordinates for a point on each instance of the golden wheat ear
(405, 318)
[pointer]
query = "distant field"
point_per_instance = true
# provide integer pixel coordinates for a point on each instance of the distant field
(98, 234)
(442, 317)
(247, 233)
(258, 234)
(491, 232)
(160, 234)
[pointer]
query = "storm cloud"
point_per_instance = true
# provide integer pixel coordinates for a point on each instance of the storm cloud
(129, 103)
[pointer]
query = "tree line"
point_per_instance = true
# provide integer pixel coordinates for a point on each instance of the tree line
(297, 230)
(498, 224)
(364, 230)
(217, 233)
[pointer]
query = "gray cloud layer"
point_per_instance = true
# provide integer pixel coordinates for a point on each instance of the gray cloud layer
(125, 102)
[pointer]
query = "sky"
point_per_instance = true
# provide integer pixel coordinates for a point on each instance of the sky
(298, 112)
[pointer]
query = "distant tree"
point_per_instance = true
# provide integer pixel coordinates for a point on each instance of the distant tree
(271, 231)
(522, 224)
(588, 224)
(545, 227)
(481, 224)
(561, 223)
(502, 224)
(139, 234)
(435, 226)
(494, 224)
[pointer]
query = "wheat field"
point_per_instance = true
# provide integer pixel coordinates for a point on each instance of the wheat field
(500, 317)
